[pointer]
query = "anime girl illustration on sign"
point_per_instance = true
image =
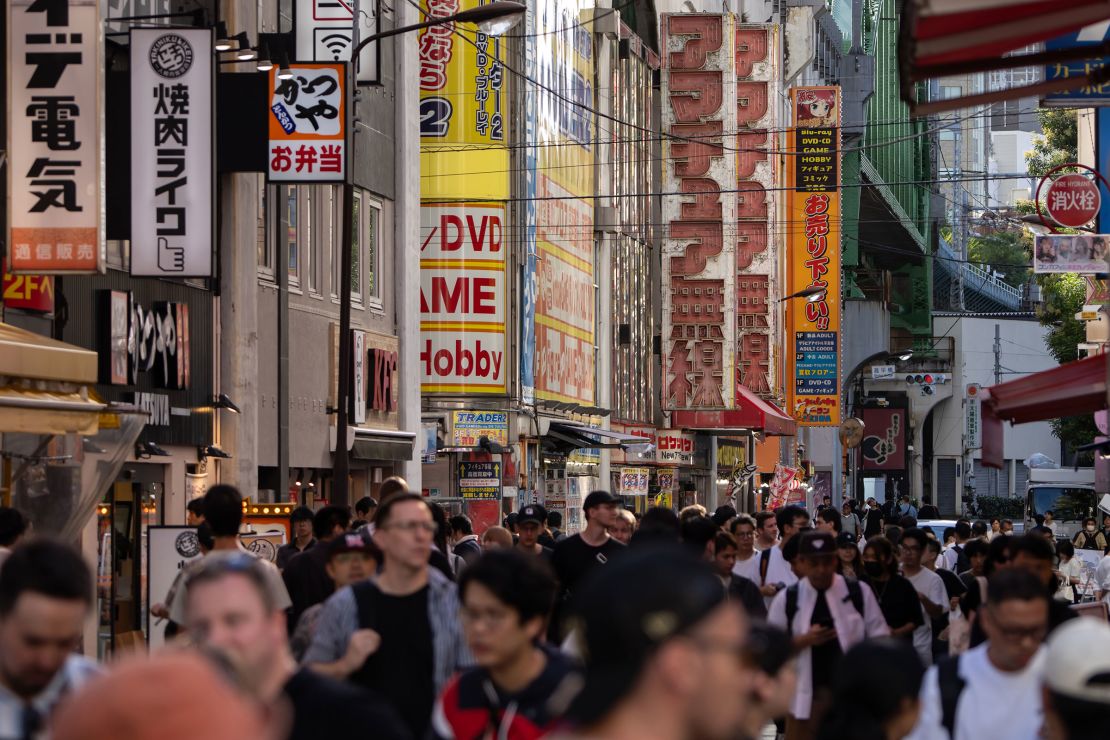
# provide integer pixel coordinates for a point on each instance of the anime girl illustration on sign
(816, 108)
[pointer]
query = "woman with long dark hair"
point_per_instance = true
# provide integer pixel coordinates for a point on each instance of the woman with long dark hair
(875, 693)
(848, 561)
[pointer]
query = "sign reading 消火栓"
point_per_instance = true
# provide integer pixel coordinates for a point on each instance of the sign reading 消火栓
(308, 137)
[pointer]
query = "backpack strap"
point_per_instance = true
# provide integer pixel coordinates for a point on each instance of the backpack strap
(855, 594)
(951, 685)
(366, 598)
(764, 564)
(791, 608)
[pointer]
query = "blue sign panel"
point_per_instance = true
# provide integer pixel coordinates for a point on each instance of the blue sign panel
(1091, 36)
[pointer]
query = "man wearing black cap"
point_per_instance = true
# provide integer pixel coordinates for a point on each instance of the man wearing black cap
(529, 525)
(664, 651)
(576, 556)
(825, 615)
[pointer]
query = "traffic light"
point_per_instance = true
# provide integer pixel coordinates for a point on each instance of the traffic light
(926, 381)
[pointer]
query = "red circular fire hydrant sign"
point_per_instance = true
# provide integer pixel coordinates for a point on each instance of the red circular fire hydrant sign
(1072, 200)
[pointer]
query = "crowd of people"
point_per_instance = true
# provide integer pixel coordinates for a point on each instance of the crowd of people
(398, 622)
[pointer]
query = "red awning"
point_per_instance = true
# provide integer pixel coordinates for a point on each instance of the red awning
(951, 37)
(752, 413)
(1072, 389)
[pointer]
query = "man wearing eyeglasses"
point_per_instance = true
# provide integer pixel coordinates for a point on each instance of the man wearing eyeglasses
(397, 633)
(993, 690)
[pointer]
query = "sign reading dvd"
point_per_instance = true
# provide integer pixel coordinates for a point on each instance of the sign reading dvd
(171, 152)
(308, 138)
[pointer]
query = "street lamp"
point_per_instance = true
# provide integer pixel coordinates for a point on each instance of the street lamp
(812, 294)
(492, 18)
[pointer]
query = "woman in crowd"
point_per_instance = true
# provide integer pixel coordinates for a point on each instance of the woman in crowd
(875, 693)
(896, 595)
(848, 561)
(624, 527)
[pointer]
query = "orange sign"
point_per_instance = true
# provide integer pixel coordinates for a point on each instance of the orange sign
(28, 292)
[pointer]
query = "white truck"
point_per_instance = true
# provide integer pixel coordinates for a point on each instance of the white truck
(1068, 493)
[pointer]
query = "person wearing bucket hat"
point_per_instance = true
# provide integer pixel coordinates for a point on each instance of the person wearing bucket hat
(664, 650)
(529, 526)
(1077, 680)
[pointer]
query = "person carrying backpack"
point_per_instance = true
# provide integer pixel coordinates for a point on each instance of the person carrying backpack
(825, 615)
(1089, 538)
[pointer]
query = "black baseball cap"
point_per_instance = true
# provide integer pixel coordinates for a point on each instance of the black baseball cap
(626, 610)
(845, 539)
(816, 542)
(352, 542)
(599, 498)
(532, 513)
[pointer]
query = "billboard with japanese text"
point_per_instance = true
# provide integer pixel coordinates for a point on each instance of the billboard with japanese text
(308, 137)
(55, 94)
(700, 209)
(813, 257)
(464, 115)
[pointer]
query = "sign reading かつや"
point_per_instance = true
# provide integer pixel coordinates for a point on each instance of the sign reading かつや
(171, 152)
(462, 298)
(53, 148)
(308, 138)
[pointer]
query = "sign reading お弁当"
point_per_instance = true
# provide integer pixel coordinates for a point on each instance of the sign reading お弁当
(308, 137)
(54, 170)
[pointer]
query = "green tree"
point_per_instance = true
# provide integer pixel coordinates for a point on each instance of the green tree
(1008, 252)
(1059, 144)
(1064, 295)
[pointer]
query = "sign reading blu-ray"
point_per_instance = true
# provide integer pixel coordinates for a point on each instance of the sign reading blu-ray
(171, 152)
(308, 137)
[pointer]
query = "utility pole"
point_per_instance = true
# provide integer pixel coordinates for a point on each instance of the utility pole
(997, 355)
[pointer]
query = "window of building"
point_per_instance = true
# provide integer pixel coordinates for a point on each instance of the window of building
(312, 231)
(290, 230)
(947, 92)
(366, 253)
(267, 239)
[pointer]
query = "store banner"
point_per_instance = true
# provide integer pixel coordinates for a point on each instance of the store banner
(468, 427)
(169, 549)
(701, 210)
(480, 481)
(675, 447)
(884, 442)
(463, 289)
(1075, 253)
(781, 486)
(172, 152)
(666, 477)
(464, 109)
(27, 292)
(308, 124)
(813, 257)
(634, 481)
(55, 109)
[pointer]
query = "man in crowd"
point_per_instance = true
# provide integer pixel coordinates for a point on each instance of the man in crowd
(555, 525)
(738, 587)
(466, 544)
(849, 521)
(229, 610)
(529, 524)
(825, 615)
(1089, 538)
(506, 596)
(1036, 555)
(905, 508)
(743, 530)
(929, 586)
(579, 554)
(306, 575)
(364, 512)
(954, 557)
(928, 510)
(873, 522)
(45, 595)
(399, 633)
(769, 571)
(1050, 522)
(194, 512)
(664, 651)
(791, 521)
(223, 513)
(300, 521)
(993, 690)
(13, 525)
(352, 556)
(1076, 689)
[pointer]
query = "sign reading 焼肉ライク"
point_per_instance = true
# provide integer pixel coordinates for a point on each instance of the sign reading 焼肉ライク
(171, 152)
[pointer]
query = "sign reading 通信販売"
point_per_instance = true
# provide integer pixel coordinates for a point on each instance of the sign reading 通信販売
(54, 169)
(324, 29)
(468, 427)
(171, 152)
(813, 258)
(307, 118)
(462, 299)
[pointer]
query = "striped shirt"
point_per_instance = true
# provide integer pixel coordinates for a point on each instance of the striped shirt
(338, 620)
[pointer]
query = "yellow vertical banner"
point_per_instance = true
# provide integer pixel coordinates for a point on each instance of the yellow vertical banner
(464, 115)
(813, 257)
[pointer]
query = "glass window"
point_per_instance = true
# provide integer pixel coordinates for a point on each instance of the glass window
(267, 241)
(313, 231)
(291, 228)
(1066, 504)
(359, 237)
(372, 268)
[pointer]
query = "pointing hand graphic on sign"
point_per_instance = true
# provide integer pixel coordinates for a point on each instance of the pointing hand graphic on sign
(170, 259)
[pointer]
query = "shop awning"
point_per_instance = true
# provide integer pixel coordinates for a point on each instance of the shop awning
(1072, 389)
(599, 435)
(951, 37)
(43, 412)
(382, 444)
(752, 414)
(24, 354)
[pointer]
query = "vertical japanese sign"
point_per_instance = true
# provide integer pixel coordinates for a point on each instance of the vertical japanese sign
(54, 145)
(172, 229)
(463, 109)
(527, 344)
(462, 298)
(757, 88)
(884, 444)
(813, 256)
(308, 138)
(699, 253)
(565, 315)
(324, 29)
(480, 481)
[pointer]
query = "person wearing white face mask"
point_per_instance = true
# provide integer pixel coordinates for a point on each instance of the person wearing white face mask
(1090, 538)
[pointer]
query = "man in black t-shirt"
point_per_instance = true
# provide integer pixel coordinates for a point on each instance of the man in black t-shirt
(576, 556)
(229, 609)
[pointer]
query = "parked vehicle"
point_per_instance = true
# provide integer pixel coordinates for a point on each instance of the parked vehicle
(1068, 493)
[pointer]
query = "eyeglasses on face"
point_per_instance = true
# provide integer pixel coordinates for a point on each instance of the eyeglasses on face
(413, 526)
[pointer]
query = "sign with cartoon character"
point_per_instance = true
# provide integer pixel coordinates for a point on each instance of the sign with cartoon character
(884, 445)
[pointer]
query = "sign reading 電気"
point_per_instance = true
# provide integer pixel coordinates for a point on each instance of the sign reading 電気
(462, 299)
(813, 258)
(55, 96)
(480, 481)
(172, 161)
(468, 427)
(308, 137)
(675, 447)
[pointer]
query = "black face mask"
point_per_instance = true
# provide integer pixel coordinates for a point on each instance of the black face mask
(874, 568)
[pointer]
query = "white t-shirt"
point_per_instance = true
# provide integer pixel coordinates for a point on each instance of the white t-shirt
(931, 586)
(778, 570)
(991, 699)
(1102, 578)
(1071, 569)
